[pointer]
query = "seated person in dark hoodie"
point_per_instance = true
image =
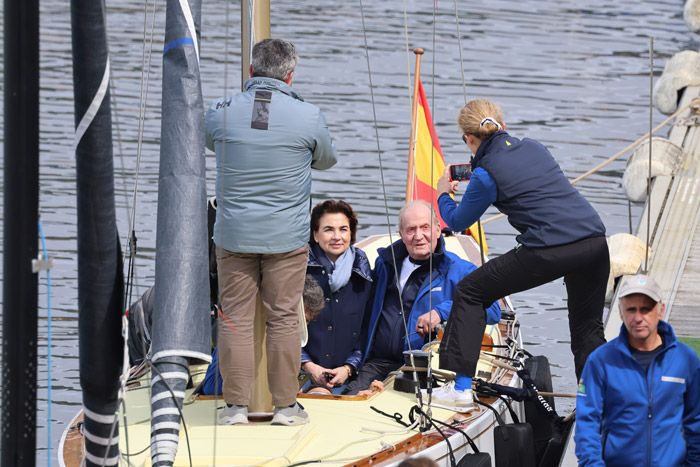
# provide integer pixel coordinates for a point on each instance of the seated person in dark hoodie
(332, 355)
(406, 303)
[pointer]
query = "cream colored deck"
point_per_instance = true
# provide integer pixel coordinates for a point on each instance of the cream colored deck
(338, 432)
(342, 432)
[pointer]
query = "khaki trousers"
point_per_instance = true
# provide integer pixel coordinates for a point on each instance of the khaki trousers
(280, 280)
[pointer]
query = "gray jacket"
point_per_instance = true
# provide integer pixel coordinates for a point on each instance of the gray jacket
(263, 162)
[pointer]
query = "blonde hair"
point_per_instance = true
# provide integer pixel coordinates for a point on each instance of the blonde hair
(480, 118)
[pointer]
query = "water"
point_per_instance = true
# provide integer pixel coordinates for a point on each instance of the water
(572, 77)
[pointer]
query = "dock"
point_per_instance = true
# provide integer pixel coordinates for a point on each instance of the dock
(672, 212)
(674, 208)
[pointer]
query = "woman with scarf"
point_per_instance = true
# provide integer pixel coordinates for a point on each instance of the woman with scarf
(560, 235)
(332, 355)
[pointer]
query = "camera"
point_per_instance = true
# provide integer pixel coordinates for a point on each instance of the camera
(460, 172)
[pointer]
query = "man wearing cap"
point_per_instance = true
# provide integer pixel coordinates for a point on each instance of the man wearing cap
(638, 399)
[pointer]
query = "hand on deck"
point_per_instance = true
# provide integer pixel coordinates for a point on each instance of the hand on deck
(427, 323)
(374, 387)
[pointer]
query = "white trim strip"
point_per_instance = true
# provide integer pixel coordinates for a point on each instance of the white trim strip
(92, 110)
(185, 6)
(100, 460)
(181, 353)
(99, 418)
(166, 394)
(171, 375)
(165, 437)
(164, 426)
(164, 412)
(673, 379)
(100, 440)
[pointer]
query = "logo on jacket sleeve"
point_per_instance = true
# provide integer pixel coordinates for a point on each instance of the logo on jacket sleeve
(581, 388)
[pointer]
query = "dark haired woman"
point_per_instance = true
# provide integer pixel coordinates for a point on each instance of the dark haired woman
(332, 355)
(561, 235)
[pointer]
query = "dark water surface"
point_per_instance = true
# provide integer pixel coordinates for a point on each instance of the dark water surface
(573, 75)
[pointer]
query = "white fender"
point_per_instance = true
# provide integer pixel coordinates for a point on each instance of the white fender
(627, 253)
(665, 157)
(681, 70)
(691, 15)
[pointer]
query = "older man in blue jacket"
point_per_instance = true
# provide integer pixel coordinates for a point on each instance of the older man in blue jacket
(417, 301)
(638, 401)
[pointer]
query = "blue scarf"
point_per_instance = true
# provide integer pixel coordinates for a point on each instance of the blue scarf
(342, 270)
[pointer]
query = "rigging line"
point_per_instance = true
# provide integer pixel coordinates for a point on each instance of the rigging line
(381, 171)
(143, 101)
(621, 152)
(429, 376)
(479, 230)
(49, 341)
(651, 114)
(404, 317)
(461, 58)
(223, 157)
(408, 51)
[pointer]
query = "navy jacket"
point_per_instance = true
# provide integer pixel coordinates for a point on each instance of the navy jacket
(445, 277)
(626, 417)
(530, 189)
(334, 336)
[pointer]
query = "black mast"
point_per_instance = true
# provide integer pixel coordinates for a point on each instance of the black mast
(100, 274)
(21, 197)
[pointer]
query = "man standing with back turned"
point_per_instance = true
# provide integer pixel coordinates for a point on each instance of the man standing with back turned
(266, 141)
(638, 401)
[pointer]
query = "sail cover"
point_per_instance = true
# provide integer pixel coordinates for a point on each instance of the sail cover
(181, 324)
(100, 273)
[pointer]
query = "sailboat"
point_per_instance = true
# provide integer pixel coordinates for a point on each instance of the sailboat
(163, 421)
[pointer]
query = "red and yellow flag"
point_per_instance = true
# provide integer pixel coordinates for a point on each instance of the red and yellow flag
(429, 164)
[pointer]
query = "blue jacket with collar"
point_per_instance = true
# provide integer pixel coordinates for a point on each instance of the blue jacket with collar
(625, 417)
(522, 179)
(334, 336)
(436, 293)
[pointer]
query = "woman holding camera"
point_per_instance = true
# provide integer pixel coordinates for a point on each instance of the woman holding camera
(561, 235)
(332, 354)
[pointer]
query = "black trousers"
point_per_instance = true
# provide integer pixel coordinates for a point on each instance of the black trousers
(585, 266)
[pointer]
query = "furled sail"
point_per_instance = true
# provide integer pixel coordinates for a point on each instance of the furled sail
(100, 273)
(181, 328)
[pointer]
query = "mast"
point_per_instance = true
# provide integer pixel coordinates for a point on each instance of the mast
(261, 400)
(100, 272)
(261, 30)
(181, 329)
(411, 175)
(21, 195)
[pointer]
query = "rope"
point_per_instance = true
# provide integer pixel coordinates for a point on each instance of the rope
(381, 164)
(49, 344)
(223, 149)
(620, 153)
(651, 114)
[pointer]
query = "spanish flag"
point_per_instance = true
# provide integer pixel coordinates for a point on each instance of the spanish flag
(429, 164)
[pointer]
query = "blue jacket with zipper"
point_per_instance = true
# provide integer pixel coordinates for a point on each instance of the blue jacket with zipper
(625, 417)
(334, 336)
(436, 294)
